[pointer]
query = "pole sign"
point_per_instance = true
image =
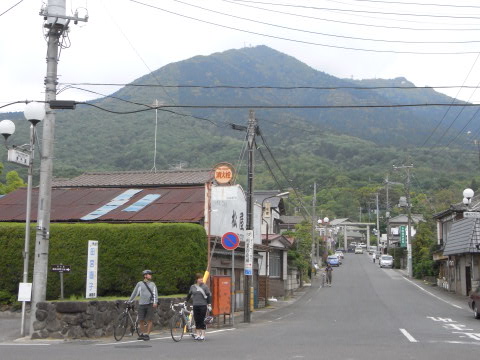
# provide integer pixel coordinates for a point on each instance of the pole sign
(18, 157)
(223, 173)
(60, 268)
(471, 214)
(249, 253)
(230, 241)
(92, 266)
(403, 236)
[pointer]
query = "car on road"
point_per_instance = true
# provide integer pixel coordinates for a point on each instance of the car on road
(333, 260)
(358, 250)
(339, 253)
(474, 302)
(386, 261)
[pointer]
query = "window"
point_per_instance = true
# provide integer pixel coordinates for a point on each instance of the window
(275, 266)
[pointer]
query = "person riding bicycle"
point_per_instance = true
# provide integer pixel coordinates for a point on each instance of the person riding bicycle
(328, 271)
(202, 300)
(147, 290)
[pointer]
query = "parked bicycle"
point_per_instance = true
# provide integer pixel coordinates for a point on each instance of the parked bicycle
(125, 320)
(324, 278)
(182, 321)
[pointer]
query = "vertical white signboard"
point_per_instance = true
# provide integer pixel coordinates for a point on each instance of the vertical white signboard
(92, 262)
(249, 252)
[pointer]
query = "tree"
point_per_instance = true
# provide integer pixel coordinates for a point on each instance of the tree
(14, 181)
(422, 250)
(299, 257)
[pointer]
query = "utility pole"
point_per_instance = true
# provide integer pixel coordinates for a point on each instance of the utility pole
(314, 223)
(409, 224)
(387, 214)
(56, 24)
(251, 131)
(378, 224)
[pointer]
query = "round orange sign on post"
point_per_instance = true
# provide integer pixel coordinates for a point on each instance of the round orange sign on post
(223, 173)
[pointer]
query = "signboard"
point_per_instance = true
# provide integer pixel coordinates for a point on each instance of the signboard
(249, 252)
(25, 292)
(92, 266)
(230, 241)
(223, 173)
(403, 236)
(18, 157)
(472, 214)
(60, 268)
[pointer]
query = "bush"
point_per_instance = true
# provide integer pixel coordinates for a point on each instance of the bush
(175, 252)
(398, 254)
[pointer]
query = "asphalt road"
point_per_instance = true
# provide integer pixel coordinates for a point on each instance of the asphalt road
(368, 313)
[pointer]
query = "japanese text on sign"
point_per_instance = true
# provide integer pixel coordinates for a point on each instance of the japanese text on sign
(249, 253)
(92, 266)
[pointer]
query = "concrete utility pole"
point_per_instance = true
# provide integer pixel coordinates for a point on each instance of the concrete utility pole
(378, 224)
(314, 223)
(56, 23)
(387, 214)
(251, 131)
(409, 225)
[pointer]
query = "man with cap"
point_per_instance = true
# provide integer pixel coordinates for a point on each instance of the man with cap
(147, 290)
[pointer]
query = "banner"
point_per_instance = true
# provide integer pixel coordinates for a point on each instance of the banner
(91, 290)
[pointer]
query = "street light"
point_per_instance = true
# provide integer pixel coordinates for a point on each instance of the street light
(467, 196)
(267, 267)
(34, 113)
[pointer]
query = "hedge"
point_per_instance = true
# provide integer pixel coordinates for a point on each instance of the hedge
(175, 252)
(398, 253)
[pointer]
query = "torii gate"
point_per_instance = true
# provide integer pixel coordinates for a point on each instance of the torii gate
(345, 224)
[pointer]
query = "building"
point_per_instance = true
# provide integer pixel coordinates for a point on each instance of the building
(458, 240)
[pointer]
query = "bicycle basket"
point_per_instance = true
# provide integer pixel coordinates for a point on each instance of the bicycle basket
(209, 319)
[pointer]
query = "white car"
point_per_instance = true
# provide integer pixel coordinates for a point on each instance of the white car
(358, 250)
(386, 261)
(339, 254)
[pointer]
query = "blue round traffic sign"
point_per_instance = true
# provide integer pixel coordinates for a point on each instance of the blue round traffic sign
(230, 241)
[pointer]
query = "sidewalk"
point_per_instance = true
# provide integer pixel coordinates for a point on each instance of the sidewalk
(10, 321)
(460, 301)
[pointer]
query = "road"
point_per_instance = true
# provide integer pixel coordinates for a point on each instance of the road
(368, 314)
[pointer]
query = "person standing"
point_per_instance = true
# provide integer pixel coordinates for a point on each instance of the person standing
(148, 293)
(202, 301)
(374, 256)
(328, 271)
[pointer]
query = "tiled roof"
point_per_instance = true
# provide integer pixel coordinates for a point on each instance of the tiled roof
(138, 178)
(165, 204)
(291, 219)
(463, 237)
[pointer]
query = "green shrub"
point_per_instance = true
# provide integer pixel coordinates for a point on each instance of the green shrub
(5, 297)
(175, 252)
(398, 254)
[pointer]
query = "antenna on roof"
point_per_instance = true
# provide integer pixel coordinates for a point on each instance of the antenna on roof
(154, 168)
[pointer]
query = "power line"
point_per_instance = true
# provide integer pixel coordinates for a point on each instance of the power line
(272, 87)
(360, 11)
(419, 4)
(303, 41)
(10, 8)
(326, 34)
(347, 22)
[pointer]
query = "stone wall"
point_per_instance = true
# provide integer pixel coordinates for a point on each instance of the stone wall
(89, 319)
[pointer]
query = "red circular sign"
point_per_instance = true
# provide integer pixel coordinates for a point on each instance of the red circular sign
(230, 241)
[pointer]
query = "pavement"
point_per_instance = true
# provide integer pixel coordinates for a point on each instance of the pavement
(10, 321)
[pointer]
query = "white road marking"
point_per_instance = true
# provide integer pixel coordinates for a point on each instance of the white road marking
(153, 339)
(435, 296)
(25, 344)
(283, 317)
(408, 336)
(309, 300)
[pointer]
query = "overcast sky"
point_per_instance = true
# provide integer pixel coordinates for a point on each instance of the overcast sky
(125, 39)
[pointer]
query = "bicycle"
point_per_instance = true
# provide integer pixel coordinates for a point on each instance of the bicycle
(182, 321)
(324, 277)
(125, 320)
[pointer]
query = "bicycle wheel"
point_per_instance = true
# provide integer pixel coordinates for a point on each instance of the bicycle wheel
(120, 326)
(177, 325)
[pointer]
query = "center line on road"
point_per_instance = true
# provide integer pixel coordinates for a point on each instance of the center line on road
(408, 336)
(435, 296)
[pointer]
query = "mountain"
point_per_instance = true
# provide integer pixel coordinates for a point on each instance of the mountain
(331, 146)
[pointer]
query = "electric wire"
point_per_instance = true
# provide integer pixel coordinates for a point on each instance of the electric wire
(326, 34)
(359, 11)
(348, 22)
(240, 158)
(303, 41)
(10, 8)
(272, 87)
(282, 172)
(453, 101)
(419, 4)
